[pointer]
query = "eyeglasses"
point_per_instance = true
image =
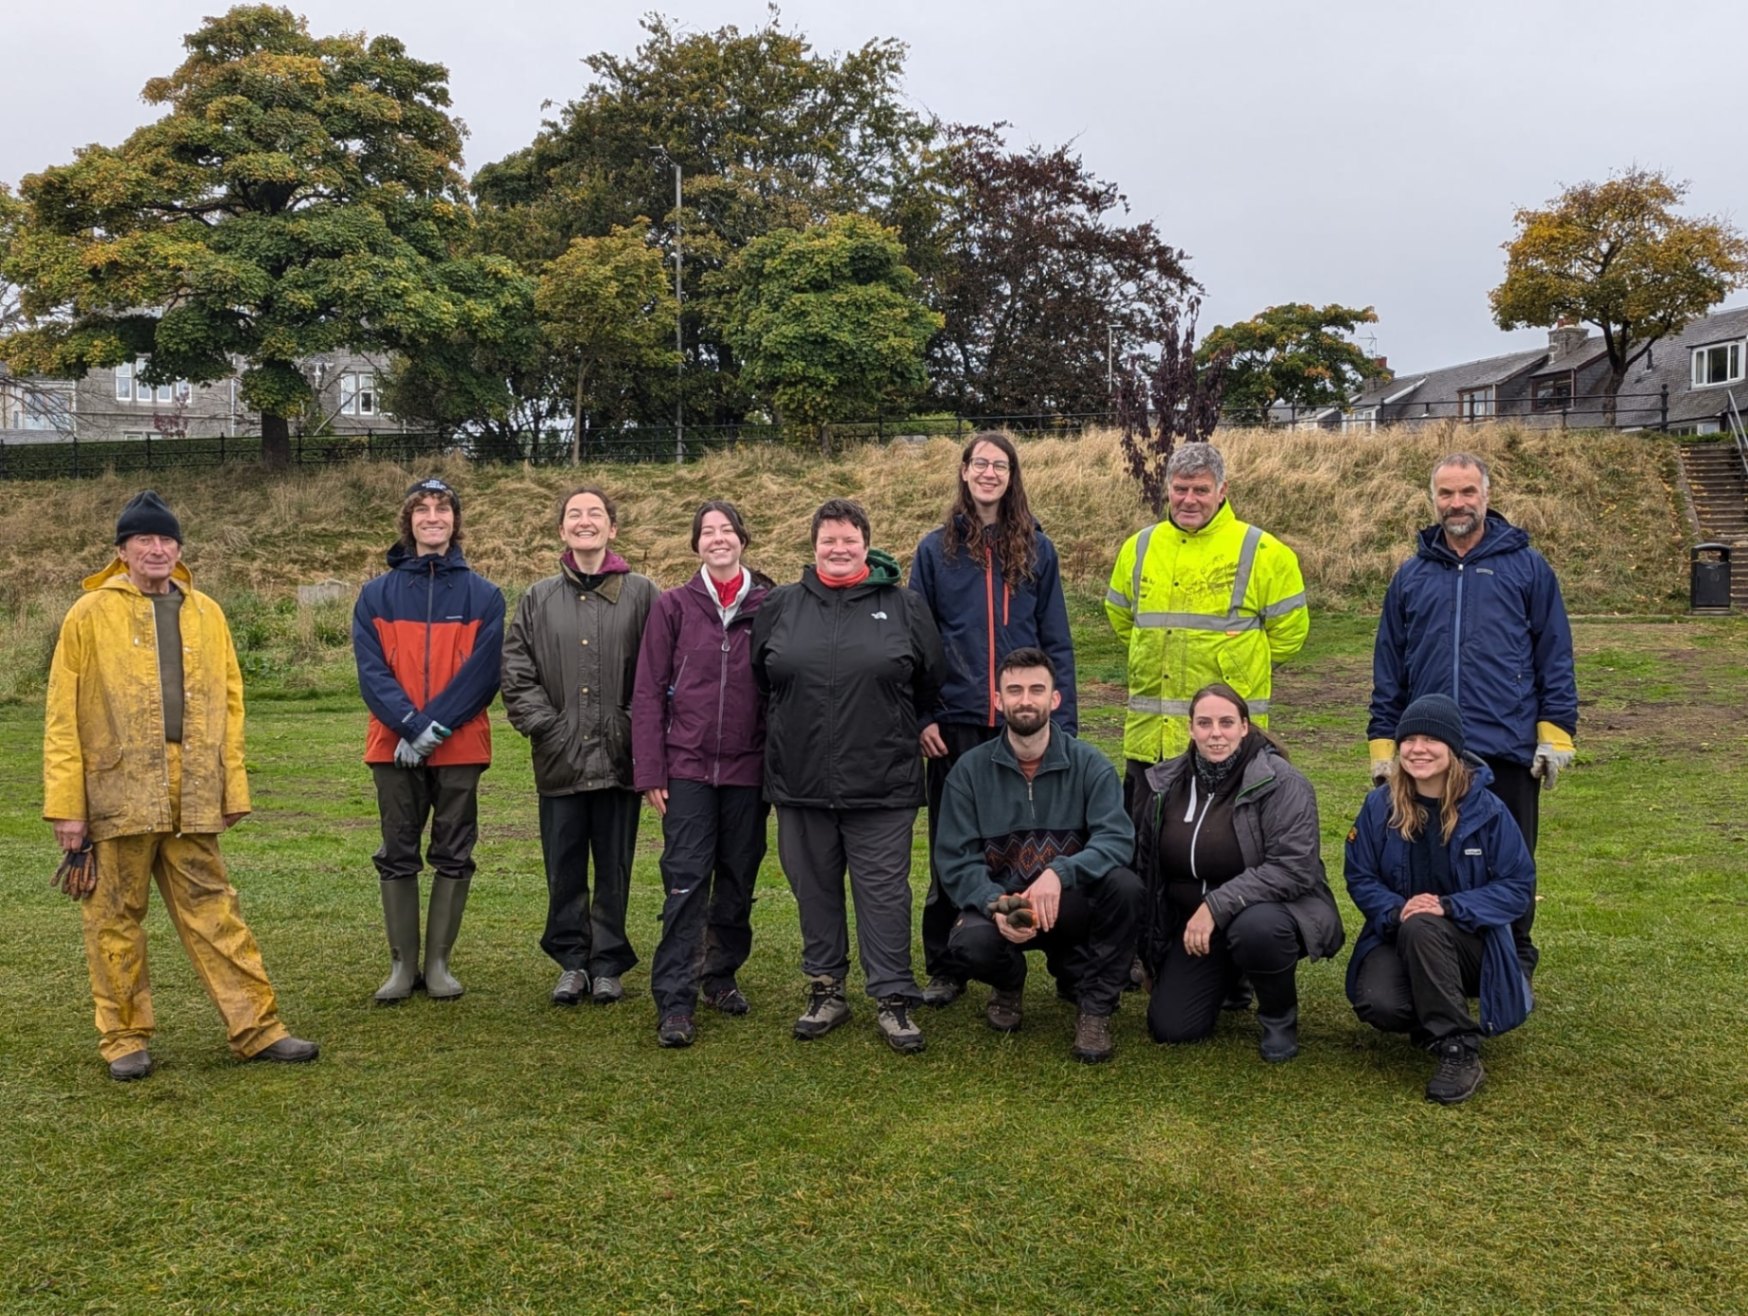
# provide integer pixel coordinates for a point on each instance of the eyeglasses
(985, 464)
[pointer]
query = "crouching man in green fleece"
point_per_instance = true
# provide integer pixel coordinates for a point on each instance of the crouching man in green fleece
(1034, 820)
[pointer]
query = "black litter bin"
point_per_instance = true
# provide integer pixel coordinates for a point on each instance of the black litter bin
(1710, 590)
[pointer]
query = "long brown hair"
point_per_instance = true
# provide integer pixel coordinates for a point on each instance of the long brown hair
(1016, 543)
(1405, 806)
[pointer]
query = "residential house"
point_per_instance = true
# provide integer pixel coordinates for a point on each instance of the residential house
(115, 404)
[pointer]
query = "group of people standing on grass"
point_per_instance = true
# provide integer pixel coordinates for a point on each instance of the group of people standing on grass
(845, 701)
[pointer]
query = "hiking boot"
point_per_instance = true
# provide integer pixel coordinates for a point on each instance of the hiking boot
(573, 985)
(826, 1009)
(1002, 1012)
(896, 1025)
(1092, 1038)
(135, 1064)
(942, 991)
(607, 989)
(400, 915)
(1137, 976)
(1459, 1072)
(289, 1051)
(676, 1030)
(1280, 1036)
(729, 1000)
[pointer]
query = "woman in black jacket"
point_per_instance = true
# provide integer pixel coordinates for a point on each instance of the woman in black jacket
(1227, 845)
(851, 664)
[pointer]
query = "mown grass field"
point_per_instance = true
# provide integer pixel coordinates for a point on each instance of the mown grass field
(498, 1155)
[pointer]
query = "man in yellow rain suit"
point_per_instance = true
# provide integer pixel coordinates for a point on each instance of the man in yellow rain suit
(1200, 597)
(143, 762)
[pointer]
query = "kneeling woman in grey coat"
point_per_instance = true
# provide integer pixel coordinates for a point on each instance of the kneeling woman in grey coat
(1227, 846)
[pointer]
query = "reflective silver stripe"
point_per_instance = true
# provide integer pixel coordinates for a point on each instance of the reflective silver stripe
(1160, 707)
(1197, 621)
(1141, 542)
(1281, 607)
(1246, 560)
(1116, 600)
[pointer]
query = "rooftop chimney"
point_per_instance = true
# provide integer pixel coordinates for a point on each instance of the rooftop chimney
(1567, 337)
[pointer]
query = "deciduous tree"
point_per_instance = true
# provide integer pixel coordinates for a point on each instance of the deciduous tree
(301, 194)
(1618, 256)
(1297, 354)
(606, 306)
(1035, 280)
(827, 323)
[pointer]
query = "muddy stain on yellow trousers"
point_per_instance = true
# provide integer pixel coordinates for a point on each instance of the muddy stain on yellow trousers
(203, 905)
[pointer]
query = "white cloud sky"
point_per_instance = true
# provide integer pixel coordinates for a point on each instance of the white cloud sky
(1369, 153)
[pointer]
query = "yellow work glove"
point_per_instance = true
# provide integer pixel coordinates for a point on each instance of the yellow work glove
(1383, 754)
(1554, 751)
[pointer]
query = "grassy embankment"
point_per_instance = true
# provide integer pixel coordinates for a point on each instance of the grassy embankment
(498, 1155)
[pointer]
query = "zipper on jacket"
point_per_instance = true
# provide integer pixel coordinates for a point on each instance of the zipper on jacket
(721, 702)
(989, 614)
(430, 604)
(157, 662)
(1457, 641)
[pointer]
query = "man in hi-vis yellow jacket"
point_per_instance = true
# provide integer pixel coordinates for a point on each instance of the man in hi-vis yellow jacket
(143, 766)
(1199, 597)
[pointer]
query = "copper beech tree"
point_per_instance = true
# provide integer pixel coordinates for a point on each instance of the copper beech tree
(1618, 256)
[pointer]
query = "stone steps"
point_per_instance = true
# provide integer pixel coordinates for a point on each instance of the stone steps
(1718, 492)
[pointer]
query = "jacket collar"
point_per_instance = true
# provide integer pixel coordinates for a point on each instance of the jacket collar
(1258, 773)
(1497, 536)
(1223, 517)
(400, 559)
(114, 576)
(1055, 751)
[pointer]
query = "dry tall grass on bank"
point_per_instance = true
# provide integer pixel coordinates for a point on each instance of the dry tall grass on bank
(1604, 509)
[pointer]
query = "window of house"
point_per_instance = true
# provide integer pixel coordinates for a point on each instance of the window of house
(1361, 418)
(129, 387)
(1551, 394)
(358, 393)
(1475, 403)
(1720, 363)
(124, 382)
(42, 411)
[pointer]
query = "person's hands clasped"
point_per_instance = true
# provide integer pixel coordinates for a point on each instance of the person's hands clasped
(1019, 936)
(1424, 903)
(1199, 931)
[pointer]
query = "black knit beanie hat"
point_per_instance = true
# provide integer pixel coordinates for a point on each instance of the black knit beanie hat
(1433, 715)
(146, 514)
(433, 485)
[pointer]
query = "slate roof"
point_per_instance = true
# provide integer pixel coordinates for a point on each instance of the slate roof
(1445, 385)
(1670, 362)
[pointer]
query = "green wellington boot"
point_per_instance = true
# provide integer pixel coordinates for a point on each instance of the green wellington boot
(448, 899)
(400, 912)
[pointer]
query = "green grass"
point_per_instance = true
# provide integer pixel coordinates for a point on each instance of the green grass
(498, 1155)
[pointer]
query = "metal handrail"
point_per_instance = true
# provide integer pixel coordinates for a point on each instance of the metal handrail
(1738, 431)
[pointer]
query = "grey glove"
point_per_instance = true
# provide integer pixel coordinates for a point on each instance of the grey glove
(428, 740)
(406, 756)
(1548, 763)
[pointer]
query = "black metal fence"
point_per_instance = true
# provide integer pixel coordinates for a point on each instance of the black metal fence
(1556, 411)
(59, 457)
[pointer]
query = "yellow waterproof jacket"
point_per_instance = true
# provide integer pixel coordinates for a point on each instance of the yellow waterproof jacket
(103, 734)
(1223, 603)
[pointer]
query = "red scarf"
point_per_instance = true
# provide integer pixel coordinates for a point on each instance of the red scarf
(725, 589)
(833, 582)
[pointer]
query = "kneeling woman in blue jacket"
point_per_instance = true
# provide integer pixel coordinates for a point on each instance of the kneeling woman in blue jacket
(1440, 871)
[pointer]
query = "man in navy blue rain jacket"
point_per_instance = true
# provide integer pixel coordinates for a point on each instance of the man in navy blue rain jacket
(1476, 614)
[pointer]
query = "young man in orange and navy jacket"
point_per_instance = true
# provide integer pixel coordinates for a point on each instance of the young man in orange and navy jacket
(428, 635)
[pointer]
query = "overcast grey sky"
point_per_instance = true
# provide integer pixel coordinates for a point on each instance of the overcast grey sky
(1368, 153)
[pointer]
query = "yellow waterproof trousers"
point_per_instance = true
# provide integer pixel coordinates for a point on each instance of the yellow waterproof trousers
(203, 905)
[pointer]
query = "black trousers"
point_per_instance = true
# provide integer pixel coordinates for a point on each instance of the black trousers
(938, 910)
(1261, 943)
(713, 841)
(1134, 783)
(1521, 794)
(1093, 940)
(602, 824)
(406, 798)
(1420, 983)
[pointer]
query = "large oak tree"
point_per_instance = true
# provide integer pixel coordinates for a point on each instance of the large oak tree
(300, 194)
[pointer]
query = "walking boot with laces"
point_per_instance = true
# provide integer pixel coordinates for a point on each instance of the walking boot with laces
(1092, 1038)
(896, 1025)
(572, 986)
(1003, 1012)
(676, 1030)
(448, 900)
(826, 1009)
(400, 914)
(942, 990)
(1459, 1073)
